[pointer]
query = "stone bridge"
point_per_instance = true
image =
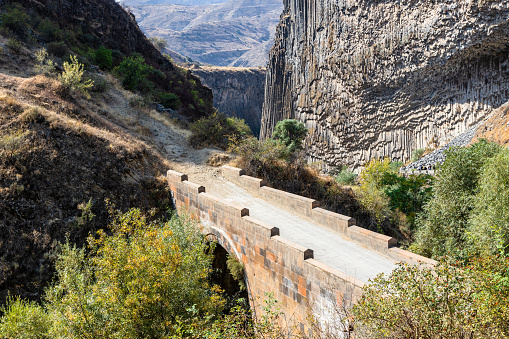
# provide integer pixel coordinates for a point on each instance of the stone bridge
(314, 261)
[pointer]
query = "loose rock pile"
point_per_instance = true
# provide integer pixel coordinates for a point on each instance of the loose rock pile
(429, 161)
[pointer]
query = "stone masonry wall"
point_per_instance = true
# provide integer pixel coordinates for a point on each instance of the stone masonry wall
(302, 285)
(373, 78)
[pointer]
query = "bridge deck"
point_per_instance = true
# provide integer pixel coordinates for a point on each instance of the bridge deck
(329, 247)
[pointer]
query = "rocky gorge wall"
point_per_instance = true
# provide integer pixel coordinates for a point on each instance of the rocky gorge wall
(376, 78)
(237, 91)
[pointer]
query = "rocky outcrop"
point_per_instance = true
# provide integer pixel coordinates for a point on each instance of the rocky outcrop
(373, 78)
(237, 91)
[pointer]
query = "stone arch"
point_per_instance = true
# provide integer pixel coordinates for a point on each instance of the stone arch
(222, 238)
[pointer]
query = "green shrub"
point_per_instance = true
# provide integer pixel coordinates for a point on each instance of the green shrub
(58, 49)
(141, 280)
(169, 100)
(100, 85)
(14, 45)
(133, 72)
(103, 58)
(44, 65)
(24, 319)
(488, 226)
(159, 43)
(291, 132)
(72, 77)
(346, 177)
(417, 154)
(15, 19)
(49, 31)
(217, 130)
(441, 227)
(445, 301)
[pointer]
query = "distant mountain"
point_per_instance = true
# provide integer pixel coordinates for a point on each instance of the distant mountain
(231, 33)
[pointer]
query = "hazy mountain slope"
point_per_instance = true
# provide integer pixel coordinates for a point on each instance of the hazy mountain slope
(235, 33)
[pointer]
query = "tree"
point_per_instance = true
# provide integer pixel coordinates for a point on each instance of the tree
(441, 227)
(133, 72)
(291, 132)
(445, 301)
(159, 43)
(140, 280)
(103, 58)
(489, 224)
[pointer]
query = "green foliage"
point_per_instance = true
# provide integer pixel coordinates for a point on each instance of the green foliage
(133, 72)
(346, 177)
(217, 130)
(442, 225)
(429, 302)
(44, 65)
(58, 49)
(159, 43)
(143, 280)
(24, 320)
(257, 155)
(49, 31)
(103, 58)
(417, 154)
(169, 100)
(72, 77)
(488, 226)
(236, 269)
(291, 132)
(14, 45)
(15, 19)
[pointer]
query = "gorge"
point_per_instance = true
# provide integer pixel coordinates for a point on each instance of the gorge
(380, 79)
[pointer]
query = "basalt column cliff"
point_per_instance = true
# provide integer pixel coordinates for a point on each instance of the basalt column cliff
(376, 78)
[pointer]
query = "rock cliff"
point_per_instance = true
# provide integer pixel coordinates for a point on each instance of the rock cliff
(237, 91)
(373, 78)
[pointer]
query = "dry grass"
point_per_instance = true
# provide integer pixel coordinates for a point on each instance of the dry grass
(496, 128)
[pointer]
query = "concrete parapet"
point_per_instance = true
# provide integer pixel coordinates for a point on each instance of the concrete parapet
(303, 252)
(333, 221)
(399, 254)
(338, 223)
(291, 202)
(264, 229)
(376, 241)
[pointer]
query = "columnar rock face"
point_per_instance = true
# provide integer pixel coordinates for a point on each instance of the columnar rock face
(373, 78)
(237, 91)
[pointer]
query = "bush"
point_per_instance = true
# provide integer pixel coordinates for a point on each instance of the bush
(103, 58)
(143, 280)
(217, 130)
(169, 100)
(346, 177)
(72, 76)
(291, 132)
(58, 49)
(49, 31)
(14, 45)
(44, 65)
(442, 225)
(15, 20)
(488, 226)
(24, 319)
(445, 301)
(133, 72)
(417, 154)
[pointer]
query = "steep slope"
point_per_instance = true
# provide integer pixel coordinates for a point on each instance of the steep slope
(94, 23)
(381, 78)
(237, 91)
(232, 33)
(496, 127)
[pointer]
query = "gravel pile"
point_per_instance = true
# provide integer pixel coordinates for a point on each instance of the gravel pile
(429, 161)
